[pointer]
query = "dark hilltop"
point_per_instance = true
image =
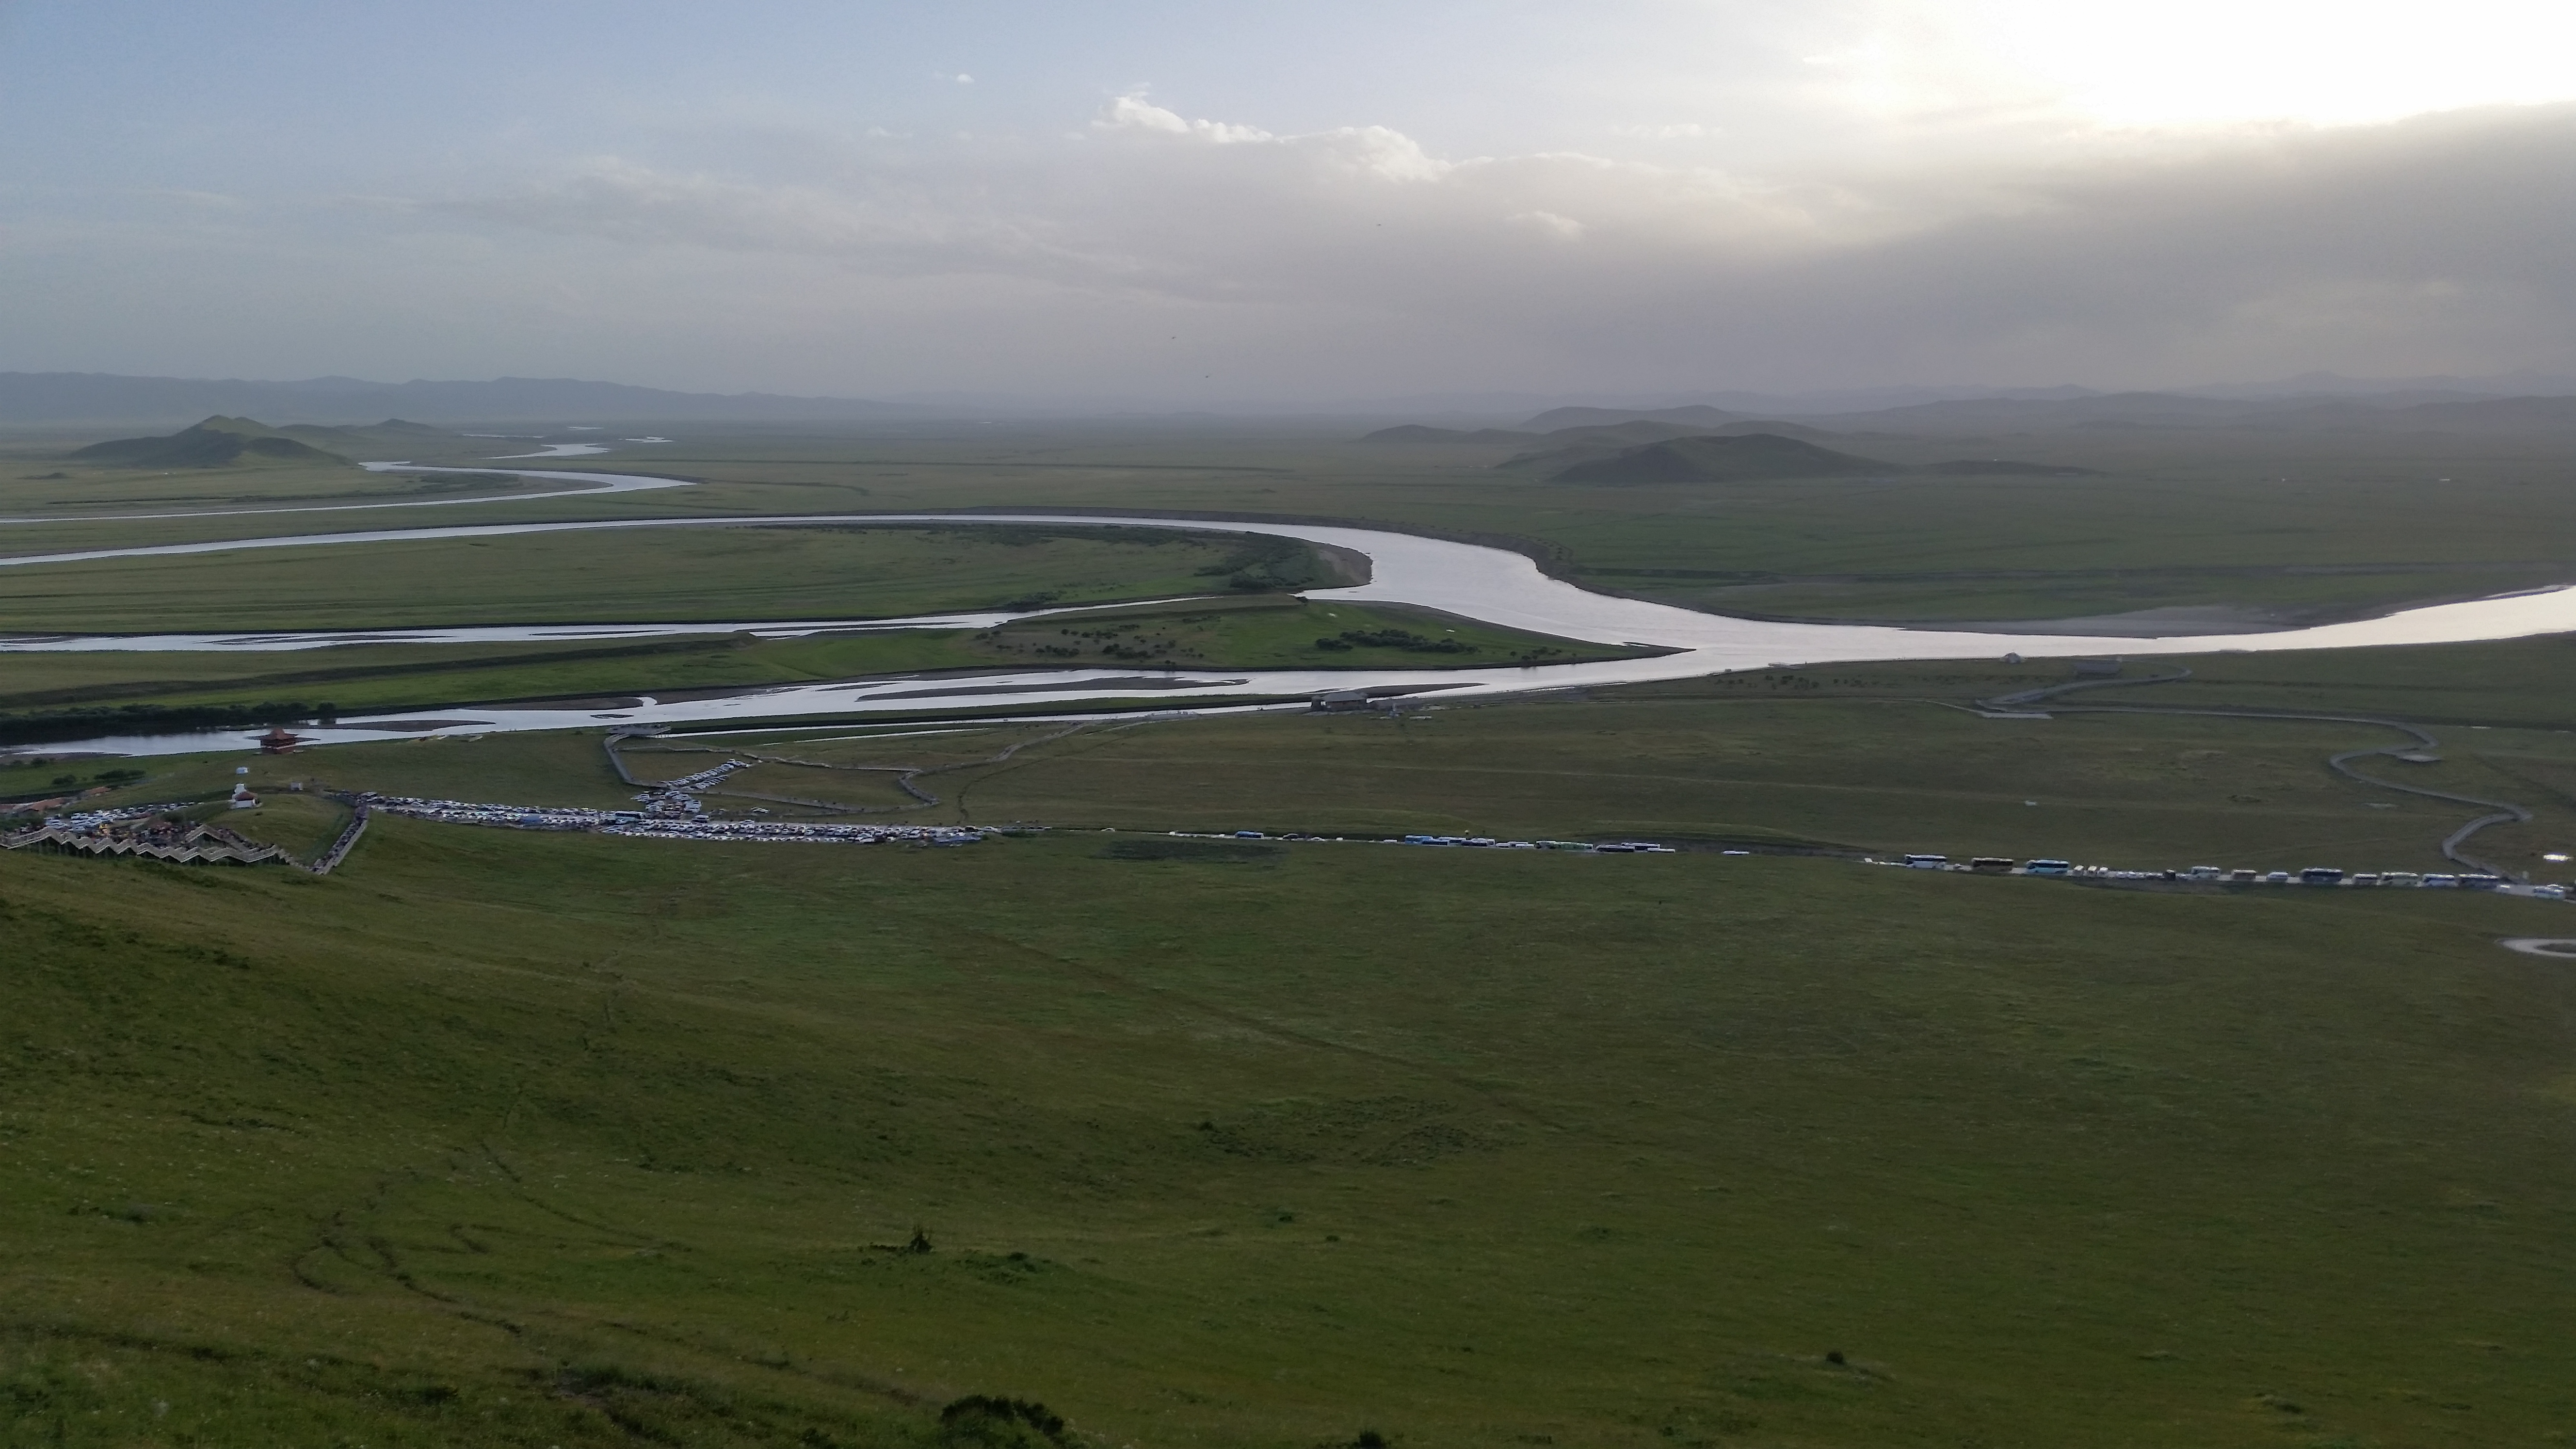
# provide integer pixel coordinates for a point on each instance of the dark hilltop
(221, 442)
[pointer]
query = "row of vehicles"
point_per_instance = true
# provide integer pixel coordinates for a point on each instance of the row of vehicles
(2315, 875)
(663, 826)
(1485, 842)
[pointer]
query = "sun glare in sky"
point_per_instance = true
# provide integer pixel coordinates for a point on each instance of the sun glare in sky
(2205, 62)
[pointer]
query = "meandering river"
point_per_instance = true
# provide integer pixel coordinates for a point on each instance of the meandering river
(1487, 584)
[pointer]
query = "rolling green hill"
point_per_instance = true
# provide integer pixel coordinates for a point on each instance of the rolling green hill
(215, 443)
(512, 1139)
(222, 441)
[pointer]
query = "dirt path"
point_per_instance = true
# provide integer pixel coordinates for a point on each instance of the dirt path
(2500, 812)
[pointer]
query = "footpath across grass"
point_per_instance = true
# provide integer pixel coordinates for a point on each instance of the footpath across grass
(540, 1140)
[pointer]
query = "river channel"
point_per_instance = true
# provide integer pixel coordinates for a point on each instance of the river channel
(1487, 584)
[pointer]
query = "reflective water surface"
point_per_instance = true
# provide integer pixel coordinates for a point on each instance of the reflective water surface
(1488, 584)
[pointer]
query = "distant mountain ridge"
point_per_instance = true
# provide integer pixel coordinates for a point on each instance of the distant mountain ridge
(1574, 444)
(1746, 457)
(1718, 459)
(1419, 433)
(1692, 417)
(2390, 412)
(107, 398)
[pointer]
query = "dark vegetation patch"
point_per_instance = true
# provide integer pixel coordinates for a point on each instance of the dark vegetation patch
(1404, 639)
(1265, 563)
(73, 724)
(1000, 1423)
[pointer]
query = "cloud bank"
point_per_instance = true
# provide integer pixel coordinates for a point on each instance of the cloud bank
(1353, 200)
(2420, 246)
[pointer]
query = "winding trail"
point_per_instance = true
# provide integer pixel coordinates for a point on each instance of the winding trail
(2503, 812)
(2030, 697)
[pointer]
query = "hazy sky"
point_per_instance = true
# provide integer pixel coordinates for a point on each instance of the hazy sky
(1195, 204)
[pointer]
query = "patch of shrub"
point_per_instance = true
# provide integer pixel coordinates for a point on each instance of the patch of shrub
(1003, 1423)
(1404, 639)
(1261, 562)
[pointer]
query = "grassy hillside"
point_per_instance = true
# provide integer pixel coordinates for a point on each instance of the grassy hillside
(217, 442)
(510, 1139)
(535, 1140)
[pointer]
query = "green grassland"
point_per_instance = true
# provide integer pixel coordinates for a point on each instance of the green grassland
(1877, 758)
(1863, 757)
(2292, 526)
(305, 824)
(38, 481)
(655, 575)
(514, 1139)
(2306, 526)
(2137, 791)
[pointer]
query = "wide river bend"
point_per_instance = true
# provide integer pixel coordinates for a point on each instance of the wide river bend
(1488, 584)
